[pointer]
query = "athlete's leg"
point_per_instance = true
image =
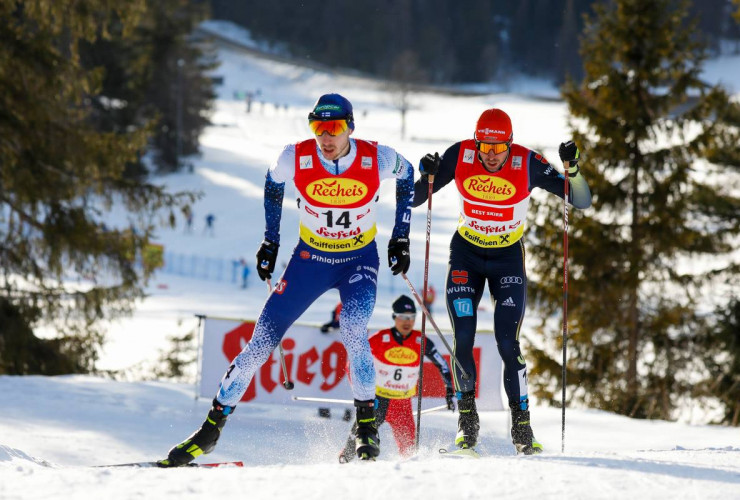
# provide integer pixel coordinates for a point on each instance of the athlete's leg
(464, 285)
(301, 284)
(507, 281)
(401, 419)
(357, 291)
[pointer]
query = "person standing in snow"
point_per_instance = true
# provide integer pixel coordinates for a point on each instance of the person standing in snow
(494, 178)
(337, 180)
(397, 356)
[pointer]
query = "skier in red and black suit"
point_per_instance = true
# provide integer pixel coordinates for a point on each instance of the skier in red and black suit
(494, 178)
(396, 352)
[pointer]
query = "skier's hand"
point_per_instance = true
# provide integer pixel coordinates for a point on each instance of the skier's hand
(399, 258)
(266, 257)
(570, 153)
(450, 398)
(429, 165)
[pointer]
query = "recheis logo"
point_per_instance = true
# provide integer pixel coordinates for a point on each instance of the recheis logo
(337, 191)
(401, 356)
(489, 188)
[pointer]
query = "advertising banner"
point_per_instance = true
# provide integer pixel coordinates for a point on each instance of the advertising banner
(316, 364)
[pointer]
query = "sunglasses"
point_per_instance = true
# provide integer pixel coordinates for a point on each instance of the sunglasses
(331, 127)
(405, 316)
(497, 148)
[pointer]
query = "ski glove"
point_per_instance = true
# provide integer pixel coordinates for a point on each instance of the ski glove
(569, 152)
(266, 257)
(429, 165)
(450, 398)
(399, 258)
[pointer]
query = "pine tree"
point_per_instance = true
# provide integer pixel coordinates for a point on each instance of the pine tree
(662, 216)
(61, 265)
(156, 75)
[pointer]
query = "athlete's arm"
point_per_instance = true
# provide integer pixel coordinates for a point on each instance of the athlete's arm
(431, 352)
(393, 165)
(283, 169)
(543, 175)
(444, 176)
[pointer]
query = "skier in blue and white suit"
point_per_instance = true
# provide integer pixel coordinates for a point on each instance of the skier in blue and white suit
(337, 180)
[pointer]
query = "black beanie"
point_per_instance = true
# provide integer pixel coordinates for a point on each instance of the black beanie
(404, 305)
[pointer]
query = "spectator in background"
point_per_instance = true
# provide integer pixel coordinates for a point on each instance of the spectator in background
(245, 273)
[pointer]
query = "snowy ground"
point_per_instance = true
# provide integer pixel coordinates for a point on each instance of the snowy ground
(53, 429)
(64, 425)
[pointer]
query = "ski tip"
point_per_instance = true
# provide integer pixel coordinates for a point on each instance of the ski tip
(459, 453)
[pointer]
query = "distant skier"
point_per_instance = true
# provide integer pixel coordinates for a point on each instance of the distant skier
(210, 220)
(333, 322)
(495, 179)
(397, 356)
(337, 180)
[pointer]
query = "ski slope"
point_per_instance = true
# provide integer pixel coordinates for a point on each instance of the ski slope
(52, 429)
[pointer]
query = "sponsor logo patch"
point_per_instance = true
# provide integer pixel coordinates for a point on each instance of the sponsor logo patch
(511, 280)
(463, 307)
(305, 254)
(305, 162)
(337, 191)
(280, 287)
(508, 302)
(366, 162)
(489, 188)
(516, 163)
(401, 356)
(459, 277)
(469, 156)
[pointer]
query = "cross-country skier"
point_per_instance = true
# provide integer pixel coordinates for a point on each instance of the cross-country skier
(396, 352)
(337, 181)
(494, 178)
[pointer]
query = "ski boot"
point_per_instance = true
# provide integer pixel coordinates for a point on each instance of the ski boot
(521, 432)
(201, 441)
(468, 422)
(367, 444)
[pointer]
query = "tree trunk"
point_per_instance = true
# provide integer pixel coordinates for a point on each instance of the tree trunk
(634, 286)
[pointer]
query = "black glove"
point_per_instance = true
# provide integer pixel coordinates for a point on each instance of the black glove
(399, 258)
(569, 152)
(266, 257)
(450, 398)
(429, 165)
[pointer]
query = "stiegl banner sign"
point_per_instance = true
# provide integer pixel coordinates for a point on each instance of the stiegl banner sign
(316, 364)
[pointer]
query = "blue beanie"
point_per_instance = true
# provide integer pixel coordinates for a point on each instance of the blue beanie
(333, 107)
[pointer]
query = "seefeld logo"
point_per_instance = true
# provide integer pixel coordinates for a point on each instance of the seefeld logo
(489, 188)
(401, 355)
(337, 191)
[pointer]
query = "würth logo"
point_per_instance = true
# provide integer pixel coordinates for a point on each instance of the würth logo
(459, 277)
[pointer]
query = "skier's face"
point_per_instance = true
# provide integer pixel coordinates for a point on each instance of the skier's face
(334, 147)
(405, 323)
(493, 161)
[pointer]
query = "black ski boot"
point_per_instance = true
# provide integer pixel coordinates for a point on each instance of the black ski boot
(521, 431)
(201, 441)
(367, 444)
(468, 422)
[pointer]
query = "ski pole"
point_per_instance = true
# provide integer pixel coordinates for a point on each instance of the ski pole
(287, 384)
(430, 180)
(351, 402)
(465, 374)
(324, 400)
(565, 296)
